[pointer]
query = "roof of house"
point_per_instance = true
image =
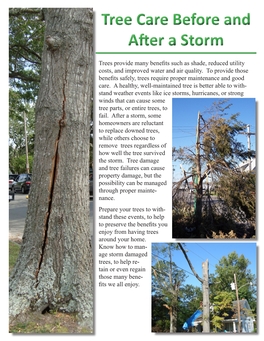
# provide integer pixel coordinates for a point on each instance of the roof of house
(233, 313)
(248, 165)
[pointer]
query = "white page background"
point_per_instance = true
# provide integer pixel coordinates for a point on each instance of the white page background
(126, 313)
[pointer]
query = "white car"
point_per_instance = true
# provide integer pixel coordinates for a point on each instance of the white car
(12, 178)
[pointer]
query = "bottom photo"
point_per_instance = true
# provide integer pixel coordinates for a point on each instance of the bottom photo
(204, 287)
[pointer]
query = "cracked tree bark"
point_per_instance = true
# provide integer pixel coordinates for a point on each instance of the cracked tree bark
(55, 265)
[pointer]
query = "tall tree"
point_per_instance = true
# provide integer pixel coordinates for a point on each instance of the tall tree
(26, 32)
(217, 151)
(224, 276)
(189, 302)
(26, 36)
(17, 141)
(167, 279)
(238, 191)
(222, 304)
(222, 295)
(55, 265)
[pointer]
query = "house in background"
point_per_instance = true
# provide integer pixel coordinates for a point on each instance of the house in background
(231, 322)
(248, 166)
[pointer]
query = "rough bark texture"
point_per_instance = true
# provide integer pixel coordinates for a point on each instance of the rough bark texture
(55, 264)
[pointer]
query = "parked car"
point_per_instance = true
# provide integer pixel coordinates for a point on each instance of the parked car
(23, 183)
(91, 184)
(12, 178)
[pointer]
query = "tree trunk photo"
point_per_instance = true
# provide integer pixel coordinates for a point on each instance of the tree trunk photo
(54, 269)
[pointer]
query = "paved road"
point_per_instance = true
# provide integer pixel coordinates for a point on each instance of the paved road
(17, 215)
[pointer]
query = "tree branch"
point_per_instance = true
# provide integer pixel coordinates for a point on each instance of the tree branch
(190, 264)
(14, 12)
(28, 50)
(17, 75)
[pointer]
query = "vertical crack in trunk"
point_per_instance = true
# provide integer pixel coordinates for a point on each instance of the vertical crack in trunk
(53, 175)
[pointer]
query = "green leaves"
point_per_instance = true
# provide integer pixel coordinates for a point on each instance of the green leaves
(224, 276)
(238, 191)
(17, 148)
(219, 141)
(26, 36)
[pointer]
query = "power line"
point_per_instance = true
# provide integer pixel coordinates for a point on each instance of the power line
(196, 254)
(183, 137)
(203, 258)
(176, 265)
(207, 252)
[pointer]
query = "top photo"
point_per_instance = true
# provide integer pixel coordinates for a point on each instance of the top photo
(214, 168)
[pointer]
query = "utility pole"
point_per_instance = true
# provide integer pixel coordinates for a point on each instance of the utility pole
(198, 184)
(248, 133)
(206, 302)
(238, 306)
(197, 158)
(25, 127)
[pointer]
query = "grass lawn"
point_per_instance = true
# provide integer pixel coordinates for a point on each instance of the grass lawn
(13, 254)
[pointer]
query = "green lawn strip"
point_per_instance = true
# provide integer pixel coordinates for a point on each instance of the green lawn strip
(13, 254)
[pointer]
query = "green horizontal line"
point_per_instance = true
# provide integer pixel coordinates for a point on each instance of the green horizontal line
(176, 52)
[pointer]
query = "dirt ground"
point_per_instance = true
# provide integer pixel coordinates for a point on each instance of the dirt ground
(52, 322)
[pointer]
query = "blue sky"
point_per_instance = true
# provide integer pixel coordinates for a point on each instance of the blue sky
(184, 120)
(200, 252)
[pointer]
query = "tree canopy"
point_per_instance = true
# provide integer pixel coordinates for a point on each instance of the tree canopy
(172, 301)
(166, 280)
(26, 36)
(224, 276)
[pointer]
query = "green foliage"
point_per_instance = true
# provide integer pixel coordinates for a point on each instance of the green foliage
(189, 302)
(162, 326)
(219, 147)
(222, 304)
(17, 146)
(160, 316)
(18, 164)
(167, 279)
(220, 144)
(13, 254)
(238, 191)
(224, 274)
(217, 322)
(26, 36)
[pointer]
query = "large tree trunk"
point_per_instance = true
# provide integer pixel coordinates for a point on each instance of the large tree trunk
(55, 265)
(173, 317)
